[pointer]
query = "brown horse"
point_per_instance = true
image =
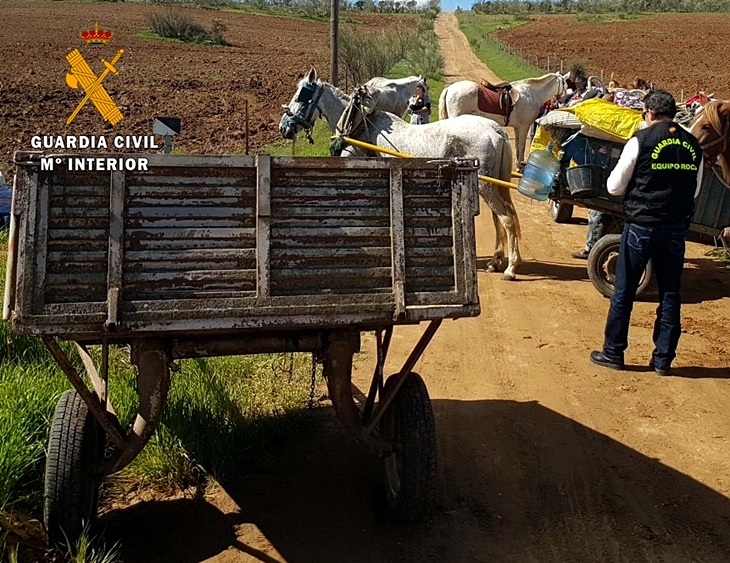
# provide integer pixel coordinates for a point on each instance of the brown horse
(711, 127)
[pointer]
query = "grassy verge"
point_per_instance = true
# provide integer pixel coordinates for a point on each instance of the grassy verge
(479, 28)
(219, 412)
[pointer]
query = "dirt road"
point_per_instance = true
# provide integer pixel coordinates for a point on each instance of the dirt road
(543, 457)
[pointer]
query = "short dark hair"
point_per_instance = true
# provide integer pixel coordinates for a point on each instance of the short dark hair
(661, 102)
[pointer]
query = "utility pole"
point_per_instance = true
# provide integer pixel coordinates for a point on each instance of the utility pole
(334, 40)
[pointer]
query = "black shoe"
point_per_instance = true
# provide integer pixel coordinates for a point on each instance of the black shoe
(580, 255)
(659, 371)
(600, 359)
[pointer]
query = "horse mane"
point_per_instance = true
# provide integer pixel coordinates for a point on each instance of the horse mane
(339, 93)
(537, 78)
(713, 115)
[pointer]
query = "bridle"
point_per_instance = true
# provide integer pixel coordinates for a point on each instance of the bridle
(563, 89)
(308, 99)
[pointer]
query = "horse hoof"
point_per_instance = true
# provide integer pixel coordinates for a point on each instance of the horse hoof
(509, 276)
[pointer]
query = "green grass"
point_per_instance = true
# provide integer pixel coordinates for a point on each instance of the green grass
(479, 28)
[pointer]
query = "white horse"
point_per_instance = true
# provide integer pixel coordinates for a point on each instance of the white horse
(395, 92)
(467, 136)
(393, 96)
(461, 98)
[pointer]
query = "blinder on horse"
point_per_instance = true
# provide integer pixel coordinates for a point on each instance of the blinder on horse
(308, 100)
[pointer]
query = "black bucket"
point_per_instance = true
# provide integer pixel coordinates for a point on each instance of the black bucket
(586, 180)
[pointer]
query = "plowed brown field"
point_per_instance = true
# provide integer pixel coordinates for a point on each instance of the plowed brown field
(676, 51)
(203, 85)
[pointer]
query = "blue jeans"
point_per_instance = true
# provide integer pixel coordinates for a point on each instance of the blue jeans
(665, 247)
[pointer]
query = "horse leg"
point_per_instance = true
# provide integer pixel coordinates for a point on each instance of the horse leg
(495, 264)
(511, 224)
(520, 141)
(500, 201)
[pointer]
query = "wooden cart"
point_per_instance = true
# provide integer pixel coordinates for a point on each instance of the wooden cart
(219, 255)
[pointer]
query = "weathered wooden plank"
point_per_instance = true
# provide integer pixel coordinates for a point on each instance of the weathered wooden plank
(202, 276)
(116, 246)
(189, 201)
(343, 232)
(164, 245)
(190, 255)
(81, 202)
(156, 223)
(78, 234)
(191, 233)
(201, 190)
(263, 226)
(76, 278)
(78, 223)
(164, 265)
(69, 212)
(365, 191)
(328, 274)
(320, 210)
(192, 212)
(397, 240)
(78, 256)
(76, 266)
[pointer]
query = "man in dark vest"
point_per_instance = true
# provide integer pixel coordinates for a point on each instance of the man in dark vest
(659, 174)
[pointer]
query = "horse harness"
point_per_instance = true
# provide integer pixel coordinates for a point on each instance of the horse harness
(349, 128)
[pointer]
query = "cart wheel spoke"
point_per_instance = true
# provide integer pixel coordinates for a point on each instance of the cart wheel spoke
(410, 470)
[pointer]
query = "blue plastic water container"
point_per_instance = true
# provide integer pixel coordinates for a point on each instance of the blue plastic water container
(539, 174)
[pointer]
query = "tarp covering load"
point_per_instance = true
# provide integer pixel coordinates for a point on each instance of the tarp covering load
(594, 118)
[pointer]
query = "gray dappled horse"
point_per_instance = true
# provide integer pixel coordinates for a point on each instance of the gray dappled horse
(467, 136)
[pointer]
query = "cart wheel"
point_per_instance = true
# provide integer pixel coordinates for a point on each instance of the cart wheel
(75, 445)
(602, 266)
(561, 212)
(410, 471)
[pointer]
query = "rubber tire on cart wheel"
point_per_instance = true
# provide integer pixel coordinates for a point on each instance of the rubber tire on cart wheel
(410, 471)
(561, 212)
(602, 266)
(71, 490)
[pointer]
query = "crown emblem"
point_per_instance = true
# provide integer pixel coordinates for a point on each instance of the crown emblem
(96, 36)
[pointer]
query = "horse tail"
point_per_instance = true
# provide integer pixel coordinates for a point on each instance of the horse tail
(505, 173)
(443, 114)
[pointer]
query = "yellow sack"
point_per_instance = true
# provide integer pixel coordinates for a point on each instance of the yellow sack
(608, 117)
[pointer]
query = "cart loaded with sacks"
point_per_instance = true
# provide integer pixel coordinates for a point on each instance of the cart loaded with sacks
(223, 255)
(588, 154)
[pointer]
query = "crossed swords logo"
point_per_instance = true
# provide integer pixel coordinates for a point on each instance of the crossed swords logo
(81, 74)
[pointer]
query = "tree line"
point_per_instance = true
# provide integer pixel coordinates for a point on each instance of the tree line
(597, 6)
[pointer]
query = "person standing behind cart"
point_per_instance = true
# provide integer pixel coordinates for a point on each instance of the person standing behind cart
(659, 173)
(419, 106)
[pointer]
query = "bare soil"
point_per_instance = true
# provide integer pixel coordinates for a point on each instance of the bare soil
(543, 457)
(678, 52)
(206, 86)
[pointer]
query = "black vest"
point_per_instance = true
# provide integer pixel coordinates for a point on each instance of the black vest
(661, 190)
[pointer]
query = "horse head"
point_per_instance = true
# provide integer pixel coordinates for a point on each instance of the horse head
(711, 127)
(562, 84)
(303, 109)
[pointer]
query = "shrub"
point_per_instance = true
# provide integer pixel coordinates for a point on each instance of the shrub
(178, 24)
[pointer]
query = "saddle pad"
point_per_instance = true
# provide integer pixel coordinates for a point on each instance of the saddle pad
(488, 101)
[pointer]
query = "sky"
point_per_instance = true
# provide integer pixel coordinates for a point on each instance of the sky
(450, 5)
